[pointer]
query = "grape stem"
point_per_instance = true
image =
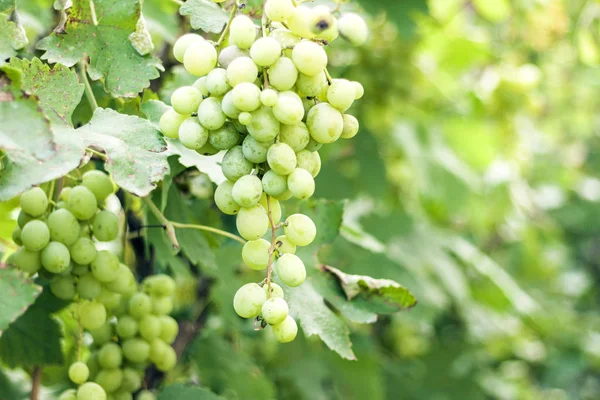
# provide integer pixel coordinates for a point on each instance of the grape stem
(96, 153)
(36, 379)
(272, 248)
(89, 94)
(228, 26)
(329, 80)
(209, 229)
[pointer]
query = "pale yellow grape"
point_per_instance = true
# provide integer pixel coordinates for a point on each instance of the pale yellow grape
(98, 182)
(321, 19)
(69, 394)
(279, 10)
(127, 327)
(92, 315)
(207, 150)
(276, 290)
(291, 270)
(252, 223)
(79, 372)
(248, 300)
(286, 39)
(284, 245)
(310, 161)
(91, 391)
(296, 136)
(300, 229)
(210, 114)
(274, 184)
(170, 122)
(136, 350)
(247, 190)
(216, 82)
(82, 203)
(274, 205)
(242, 69)
(139, 305)
(230, 53)
(360, 90)
(186, 100)
(102, 335)
(309, 57)
(264, 126)
(224, 199)
(265, 51)
(132, 380)
(35, 235)
(353, 28)
(255, 254)
(289, 109)
(26, 261)
(246, 96)
(283, 74)
(192, 134)
(275, 310)
(281, 158)
(245, 118)
(341, 94)
(299, 22)
(301, 184)
(330, 34)
(200, 84)
(235, 165)
(268, 97)
(324, 123)
(286, 331)
(311, 86)
(200, 58)
(254, 150)
(229, 109)
(182, 44)
(88, 287)
(242, 32)
(109, 299)
(350, 126)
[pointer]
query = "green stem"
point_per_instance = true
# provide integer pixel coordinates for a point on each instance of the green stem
(89, 94)
(96, 153)
(272, 248)
(163, 220)
(206, 228)
(329, 79)
(228, 26)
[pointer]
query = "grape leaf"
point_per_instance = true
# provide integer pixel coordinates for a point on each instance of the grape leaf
(180, 391)
(205, 15)
(11, 39)
(18, 293)
(7, 5)
(399, 12)
(102, 33)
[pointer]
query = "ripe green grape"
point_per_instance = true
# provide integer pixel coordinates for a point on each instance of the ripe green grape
(224, 199)
(283, 245)
(245, 118)
(353, 28)
(273, 206)
(286, 331)
(34, 202)
(127, 327)
(283, 74)
(276, 290)
(25, 260)
(91, 391)
(146, 395)
(200, 58)
(310, 161)
(64, 193)
(69, 394)
(170, 122)
(285, 196)
(101, 336)
(296, 136)
(105, 226)
(229, 109)
(225, 137)
(248, 300)
(98, 182)
(279, 10)
(265, 51)
(124, 282)
(274, 184)
(109, 379)
(136, 350)
(63, 287)
(255, 254)
(23, 219)
(132, 381)
(82, 203)
(105, 266)
(235, 165)
(210, 114)
(182, 44)
(230, 53)
(252, 223)
(264, 126)
(240, 70)
(311, 86)
(324, 123)
(300, 229)
(341, 94)
(269, 97)
(88, 287)
(289, 109)
(93, 315)
(122, 395)
(360, 90)
(63, 226)
(35, 235)
(299, 22)
(254, 151)
(55, 257)
(216, 82)
(281, 158)
(159, 285)
(310, 58)
(286, 39)
(324, 24)
(192, 134)
(350, 126)
(167, 360)
(291, 270)
(207, 150)
(149, 327)
(247, 190)
(200, 84)
(162, 305)
(246, 96)
(110, 356)
(79, 372)
(186, 99)
(140, 305)
(242, 32)
(168, 329)
(16, 233)
(301, 184)
(275, 310)
(110, 299)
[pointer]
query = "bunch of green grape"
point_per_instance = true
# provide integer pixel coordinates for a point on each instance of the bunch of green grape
(139, 334)
(270, 104)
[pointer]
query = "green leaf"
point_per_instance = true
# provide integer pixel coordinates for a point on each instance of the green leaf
(18, 293)
(12, 38)
(205, 15)
(112, 56)
(7, 5)
(180, 391)
(399, 12)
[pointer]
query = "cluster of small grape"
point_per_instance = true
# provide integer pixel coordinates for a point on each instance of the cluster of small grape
(141, 333)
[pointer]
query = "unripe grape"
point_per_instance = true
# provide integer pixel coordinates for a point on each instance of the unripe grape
(252, 223)
(325, 123)
(283, 74)
(235, 165)
(286, 331)
(170, 122)
(273, 206)
(35, 235)
(98, 182)
(63, 227)
(275, 310)
(353, 28)
(92, 315)
(124, 283)
(132, 381)
(225, 137)
(289, 109)
(34, 202)
(25, 260)
(146, 395)
(254, 150)
(79, 372)
(82, 203)
(268, 97)
(88, 287)
(186, 99)
(291, 270)
(310, 58)
(63, 287)
(105, 266)
(341, 94)
(284, 245)
(161, 305)
(246, 96)
(255, 254)
(248, 300)
(168, 329)
(55, 257)
(192, 134)
(296, 136)
(109, 379)
(16, 235)
(200, 84)
(310, 161)
(264, 126)
(360, 91)
(122, 395)
(23, 219)
(274, 184)
(276, 290)
(281, 158)
(79, 270)
(301, 184)
(91, 391)
(224, 199)
(167, 361)
(216, 82)
(242, 32)
(311, 86)
(101, 335)
(200, 58)
(242, 69)
(127, 327)
(245, 118)
(300, 229)
(265, 51)
(210, 114)
(111, 300)
(159, 285)
(279, 10)
(350, 126)
(299, 22)
(110, 356)
(247, 190)
(207, 150)
(140, 305)
(149, 327)
(182, 44)
(105, 226)
(230, 53)
(136, 350)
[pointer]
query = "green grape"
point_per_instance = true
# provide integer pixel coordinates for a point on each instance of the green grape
(350, 126)
(281, 158)
(82, 203)
(79, 270)
(55, 257)
(264, 127)
(230, 53)
(124, 283)
(269, 97)
(35, 235)
(283, 74)
(146, 395)
(245, 118)
(93, 364)
(273, 206)
(299, 22)
(64, 227)
(284, 246)
(79, 372)
(69, 394)
(182, 44)
(300, 229)
(23, 219)
(127, 327)
(93, 315)
(255, 151)
(192, 134)
(200, 84)
(25, 260)
(158, 349)
(132, 381)
(229, 109)
(105, 266)
(265, 51)
(242, 32)
(301, 184)
(102, 335)
(296, 136)
(159, 285)
(252, 223)
(64, 193)
(168, 329)
(247, 190)
(275, 310)
(324, 24)
(235, 165)
(224, 199)
(248, 300)
(34, 202)
(310, 161)
(110, 356)
(311, 86)
(279, 10)
(136, 350)
(325, 123)
(162, 305)
(286, 331)
(240, 70)
(246, 96)
(167, 361)
(210, 114)
(186, 99)
(200, 58)
(353, 28)
(216, 82)
(170, 122)
(109, 379)
(255, 254)
(360, 90)
(289, 109)
(291, 270)
(225, 137)
(88, 287)
(98, 182)
(149, 327)
(122, 395)
(341, 94)
(91, 391)
(105, 226)
(111, 300)
(276, 290)
(140, 305)
(207, 150)
(286, 39)
(310, 58)
(16, 233)
(307, 104)
(274, 184)
(63, 287)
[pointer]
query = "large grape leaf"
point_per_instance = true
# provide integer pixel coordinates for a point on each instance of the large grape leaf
(12, 38)
(102, 33)
(205, 15)
(180, 391)
(18, 293)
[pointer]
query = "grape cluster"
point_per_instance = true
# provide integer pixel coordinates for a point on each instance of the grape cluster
(270, 103)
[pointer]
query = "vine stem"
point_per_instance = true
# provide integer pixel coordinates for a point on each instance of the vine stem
(36, 379)
(96, 153)
(328, 76)
(89, 94)
(209, 229)
(272, 248)
(228, 26)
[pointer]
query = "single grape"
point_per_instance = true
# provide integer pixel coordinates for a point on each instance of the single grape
(245, 118)
(276, 290)
(242, 32)
(324, 25)
(192, 134)
(216, 82)
(34, 202)
(23, 219)
(291, 270)
(248, 300)
(25, 260)
(301, 184)
(286, 331)
(98, 182)
(325, 123)
(88, 287)
(275, 310)
(255, 254)
(64, 227)
(210, 114)
(300, 229)
(242, 69)
(109, 379)
(269, 97)
(168, 329)
(105, 266)
(207, 150)
(55, 257)
(93, 315)
(252, 223)
(186, 99)
(350, 126)
(82, 203)
(299, 22)
(230, 53)
(136, 350)
(273, 206)
(16, 233)
(265, 51)
(101, 336)
(110, 356)
(91, 391)
(284, 196)
(159, 285)
(170, 122)
(110, 299)
(255, 151)
(289, 109)
(283, 74)
(122, 395)
(274, 184)
(146, 395)
(284, 246)
(310, 161)
(286, 39)
(132, 381)
(310, 58)
(124, 283)
(182, 44)
(279, 10)
(341, 94)
(140, 305)
(235, 165)
(162, 305)
(69, 394)
(167, 361)
(225, 137)
(79, 270)
(246, 96)
(79, 372)
(200, 84)
(353, 28)
(296, 136)
(63, 287)
(281, 158)
(149, 327)
(311, 86)
(264, 127)
(127, 327)
(200, 58)
(105, 226)
(247, 190)
(360, 90)
(224, 199)
(35, 235)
